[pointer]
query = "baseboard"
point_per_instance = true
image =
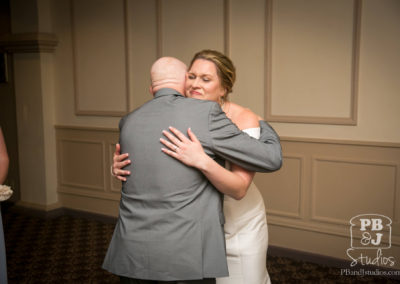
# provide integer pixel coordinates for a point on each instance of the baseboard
(41, 207)
(89, 215)
(47, 213)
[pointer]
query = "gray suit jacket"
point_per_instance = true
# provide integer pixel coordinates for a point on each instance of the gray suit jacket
(170, 224)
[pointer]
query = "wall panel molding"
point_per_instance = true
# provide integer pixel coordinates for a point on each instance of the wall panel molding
(301, 211)
(341, 142)
(89, 159)
(66, 169)
(340, 163)
(342, 230)
(227, 29)
(159, 27)
(83, 60)
(353, 80)
(297, 212)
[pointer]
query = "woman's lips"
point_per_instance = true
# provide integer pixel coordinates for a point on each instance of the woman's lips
(195, 93)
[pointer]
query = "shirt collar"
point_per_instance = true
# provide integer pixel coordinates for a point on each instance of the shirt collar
(167, 91)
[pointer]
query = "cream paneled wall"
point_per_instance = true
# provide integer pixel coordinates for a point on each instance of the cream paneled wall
(322, 185)
(312, 56)
(378, 86)
(100, 70)
(241, 30)
(183, 29)
(100, 57)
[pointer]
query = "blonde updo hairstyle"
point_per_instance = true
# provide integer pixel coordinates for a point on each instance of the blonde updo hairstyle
(225, 69)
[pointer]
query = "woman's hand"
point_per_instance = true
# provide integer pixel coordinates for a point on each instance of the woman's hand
(120, 161)
(188, 151)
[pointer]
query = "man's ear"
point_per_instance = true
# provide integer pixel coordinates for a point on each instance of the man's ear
(151, 90)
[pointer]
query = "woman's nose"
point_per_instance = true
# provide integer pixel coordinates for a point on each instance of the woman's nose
(196, 83)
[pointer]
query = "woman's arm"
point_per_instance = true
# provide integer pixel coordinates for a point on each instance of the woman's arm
(190, 152)
(234, 182)
(3, 159)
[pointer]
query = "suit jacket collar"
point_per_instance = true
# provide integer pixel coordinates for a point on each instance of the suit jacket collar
(167, 91)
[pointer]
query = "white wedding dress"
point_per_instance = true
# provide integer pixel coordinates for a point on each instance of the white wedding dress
(246, 235)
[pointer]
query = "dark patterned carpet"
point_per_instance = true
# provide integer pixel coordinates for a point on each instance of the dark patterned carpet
(71, 248)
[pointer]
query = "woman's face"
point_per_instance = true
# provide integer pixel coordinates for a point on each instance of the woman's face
(202, 81)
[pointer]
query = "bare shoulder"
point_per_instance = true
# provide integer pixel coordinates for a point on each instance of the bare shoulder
(244, 117)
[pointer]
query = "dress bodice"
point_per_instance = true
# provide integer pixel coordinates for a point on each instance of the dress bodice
(250, 205)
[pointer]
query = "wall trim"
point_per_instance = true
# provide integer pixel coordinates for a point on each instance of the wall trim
(320, 227)
(313, 193)
(111, 196)
(78, 110)
(62, 182)
(282, 138)
(341, 142)
(299, 214)
(159, 28)
(29, 42)
(37, 206)
(227, 28)
(352, 119)
(87, 128)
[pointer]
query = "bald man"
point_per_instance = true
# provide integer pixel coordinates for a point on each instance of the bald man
(170, 224)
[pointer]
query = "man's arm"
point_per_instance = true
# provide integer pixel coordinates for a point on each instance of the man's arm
(230, 143)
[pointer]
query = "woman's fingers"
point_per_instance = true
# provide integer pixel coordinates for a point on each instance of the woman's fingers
(169, 152)
(117, 149)
(121, 178)
(192, 136)
(120, 165)
(168, 144)
(178, 134)
(118, 158)
(120, 161)
(172, 138)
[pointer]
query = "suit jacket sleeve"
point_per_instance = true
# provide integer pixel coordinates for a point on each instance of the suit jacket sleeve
(230, 143)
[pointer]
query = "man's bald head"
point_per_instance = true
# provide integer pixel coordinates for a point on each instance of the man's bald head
(168, 72)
